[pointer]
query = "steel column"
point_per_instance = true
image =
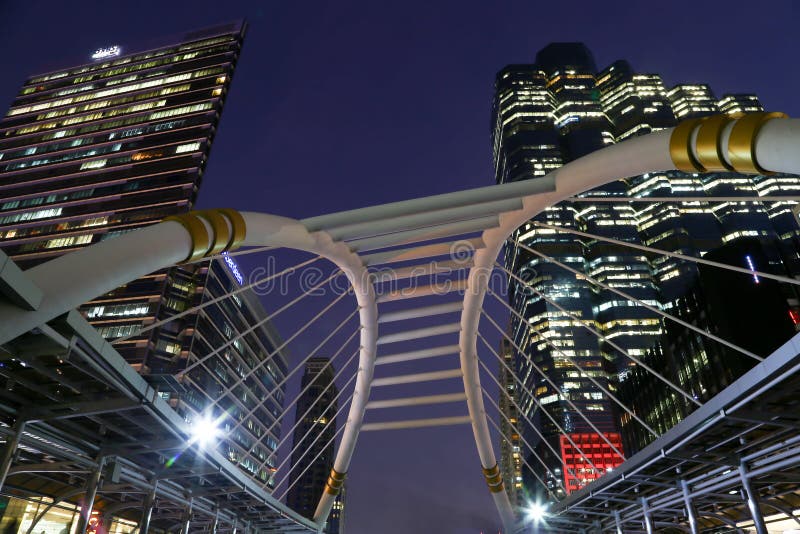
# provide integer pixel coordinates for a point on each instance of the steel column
(11, 448)
(215, 523)
(188, 522)
(88, 499)
(752, 500)
(618, 522)
(147, 509)
(648, 521)
(687, 503)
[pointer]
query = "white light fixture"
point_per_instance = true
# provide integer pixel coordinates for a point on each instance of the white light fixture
(205, 431)
(535, 512)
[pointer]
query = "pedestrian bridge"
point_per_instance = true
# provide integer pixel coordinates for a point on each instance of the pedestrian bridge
(81, 426)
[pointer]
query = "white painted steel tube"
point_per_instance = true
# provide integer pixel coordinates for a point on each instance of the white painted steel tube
(72, 279)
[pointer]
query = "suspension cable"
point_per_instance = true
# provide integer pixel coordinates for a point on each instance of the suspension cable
(584, 324)
(308, 386)
(522, 457)
(269, 357)
(296, 480)
(313, 441)
(640, 303)
(300, 365)
(538, 404)
(199, 307)
(222, 256)
(538, 432)
(259, 323)
(300, 419)
(554, 347)
(677, 255)
(555, 388)
(291, 405)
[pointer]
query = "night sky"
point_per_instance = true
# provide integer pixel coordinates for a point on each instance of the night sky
(341, 105)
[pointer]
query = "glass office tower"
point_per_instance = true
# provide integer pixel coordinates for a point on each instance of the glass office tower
(90, 152)
(551, 112)
(510, 442)
(313, 447)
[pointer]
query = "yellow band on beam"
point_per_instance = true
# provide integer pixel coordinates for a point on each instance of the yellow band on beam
(493, 478)
(238, 227)
(742, 142)
(680, 147)
(708, 144)
(201, 241)
(490, 471)
(222, 232)
(335, 482)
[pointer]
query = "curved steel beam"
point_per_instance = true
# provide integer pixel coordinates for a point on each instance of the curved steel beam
(72, 279)
(751, 144)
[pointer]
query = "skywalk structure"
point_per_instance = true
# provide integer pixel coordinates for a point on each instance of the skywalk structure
(733, 461)
(561, 108)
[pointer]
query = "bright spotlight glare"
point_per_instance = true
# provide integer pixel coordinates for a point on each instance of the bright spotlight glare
(204, 430)
(535, 512)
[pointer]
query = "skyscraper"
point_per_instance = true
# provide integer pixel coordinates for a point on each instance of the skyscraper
(120, 142)
(559, 109)
(510, 444)
(313, 448)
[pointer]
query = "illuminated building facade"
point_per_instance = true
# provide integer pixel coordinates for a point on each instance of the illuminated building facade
(90, 152)
(748, 310)
(510, 444)
(554, 111)
(313, 446)
(582, 448)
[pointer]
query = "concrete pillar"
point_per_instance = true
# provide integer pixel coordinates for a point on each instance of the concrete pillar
(752, 500)
(88, 499)
(147, 509)
(690, 511)
(11, 449)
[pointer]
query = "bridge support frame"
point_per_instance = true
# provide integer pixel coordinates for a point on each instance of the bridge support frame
(752, 500)
(11, 449)
(87, 504)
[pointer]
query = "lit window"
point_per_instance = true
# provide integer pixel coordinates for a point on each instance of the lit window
(189, 147)
(95, 164)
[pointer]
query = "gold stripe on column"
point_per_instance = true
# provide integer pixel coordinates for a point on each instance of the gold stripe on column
(680, 147)
(335, 482)
(493, 478)
(742, 142)
(222, 232)
(238, 227)
(198, 232)
(708, 145)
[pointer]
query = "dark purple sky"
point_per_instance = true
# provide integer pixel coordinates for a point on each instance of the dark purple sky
(341, 105)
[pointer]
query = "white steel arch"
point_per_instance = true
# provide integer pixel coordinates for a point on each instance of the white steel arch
(752, 144)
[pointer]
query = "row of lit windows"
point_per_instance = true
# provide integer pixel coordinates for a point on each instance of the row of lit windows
(130, 59)
(172, 112)
(30, 215)
(119, 310)
(118, 90)
(67, 157)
